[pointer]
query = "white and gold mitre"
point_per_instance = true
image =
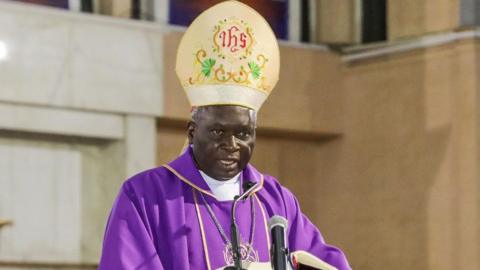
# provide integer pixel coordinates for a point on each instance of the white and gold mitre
(228, 56)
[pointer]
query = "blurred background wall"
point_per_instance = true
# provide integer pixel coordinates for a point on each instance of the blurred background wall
(374, 124)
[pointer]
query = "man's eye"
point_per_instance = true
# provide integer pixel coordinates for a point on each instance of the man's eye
(243, 134)
(217, 132)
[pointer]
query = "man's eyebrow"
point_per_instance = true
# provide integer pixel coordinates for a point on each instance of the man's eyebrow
(228, 124)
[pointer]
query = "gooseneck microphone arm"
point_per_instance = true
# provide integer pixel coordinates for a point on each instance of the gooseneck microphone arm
(237, 260)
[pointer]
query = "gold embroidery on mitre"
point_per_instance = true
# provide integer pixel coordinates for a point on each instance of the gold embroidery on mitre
(230, 58)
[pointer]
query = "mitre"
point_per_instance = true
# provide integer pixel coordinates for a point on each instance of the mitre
(229, 55)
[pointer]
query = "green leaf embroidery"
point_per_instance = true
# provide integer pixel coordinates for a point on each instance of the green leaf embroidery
(207, 66)
(255, 70)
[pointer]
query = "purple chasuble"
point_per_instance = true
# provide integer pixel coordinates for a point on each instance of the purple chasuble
(160, 221)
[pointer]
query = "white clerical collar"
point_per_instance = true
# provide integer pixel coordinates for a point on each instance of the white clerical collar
(223, 190)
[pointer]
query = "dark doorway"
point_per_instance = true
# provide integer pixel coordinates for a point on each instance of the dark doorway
(374, 20)
(87, 6)
(305, 21)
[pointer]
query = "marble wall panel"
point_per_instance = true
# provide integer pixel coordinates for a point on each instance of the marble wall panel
(39, 193)
(80, 61)
(78, 101)
(61, 121)
(58, 192)
(103, 171)
(140, 143)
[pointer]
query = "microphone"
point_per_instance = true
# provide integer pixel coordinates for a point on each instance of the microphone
(246, 186)
(279, 251)
(250, 187)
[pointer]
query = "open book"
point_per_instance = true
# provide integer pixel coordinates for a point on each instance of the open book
(301, 259)
(305, 260)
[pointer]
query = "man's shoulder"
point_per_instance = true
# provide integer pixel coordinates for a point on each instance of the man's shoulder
(158, 178)
(147, 175)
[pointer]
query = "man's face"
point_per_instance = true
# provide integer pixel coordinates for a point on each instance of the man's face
(223, 138)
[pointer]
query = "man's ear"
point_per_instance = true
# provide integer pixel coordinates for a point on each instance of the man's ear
(191, 126)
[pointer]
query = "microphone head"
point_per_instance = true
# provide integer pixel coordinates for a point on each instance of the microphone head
(246, 193)
(247, 185)
(278, 221)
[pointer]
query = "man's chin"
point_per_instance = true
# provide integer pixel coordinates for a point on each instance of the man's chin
(224, 176)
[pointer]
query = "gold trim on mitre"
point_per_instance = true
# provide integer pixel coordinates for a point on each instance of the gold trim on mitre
(228, 56)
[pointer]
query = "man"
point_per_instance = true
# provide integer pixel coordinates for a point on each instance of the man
(177, 216)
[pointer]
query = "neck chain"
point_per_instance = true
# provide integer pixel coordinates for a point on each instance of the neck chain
(228, 244)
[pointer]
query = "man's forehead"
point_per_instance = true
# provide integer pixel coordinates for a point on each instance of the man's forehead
(225, 114)
(225, 110)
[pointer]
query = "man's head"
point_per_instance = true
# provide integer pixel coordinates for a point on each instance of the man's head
(214, 71)
(223, 138)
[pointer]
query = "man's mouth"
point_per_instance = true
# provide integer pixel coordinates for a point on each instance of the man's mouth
(228, 163)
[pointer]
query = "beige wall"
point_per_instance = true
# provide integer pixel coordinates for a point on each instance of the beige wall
(408, 18)
(336, 22)
(410, 152)
(477, 114)
(382, 153)
(115, 8)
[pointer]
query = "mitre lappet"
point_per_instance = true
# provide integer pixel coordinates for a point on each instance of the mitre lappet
(228, 56)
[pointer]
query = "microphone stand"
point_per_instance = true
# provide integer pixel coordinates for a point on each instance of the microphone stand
(237, 259)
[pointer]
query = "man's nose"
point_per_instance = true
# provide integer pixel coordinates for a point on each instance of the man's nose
(231, 143)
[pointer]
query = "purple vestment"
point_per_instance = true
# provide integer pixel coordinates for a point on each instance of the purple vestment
(160, 221)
